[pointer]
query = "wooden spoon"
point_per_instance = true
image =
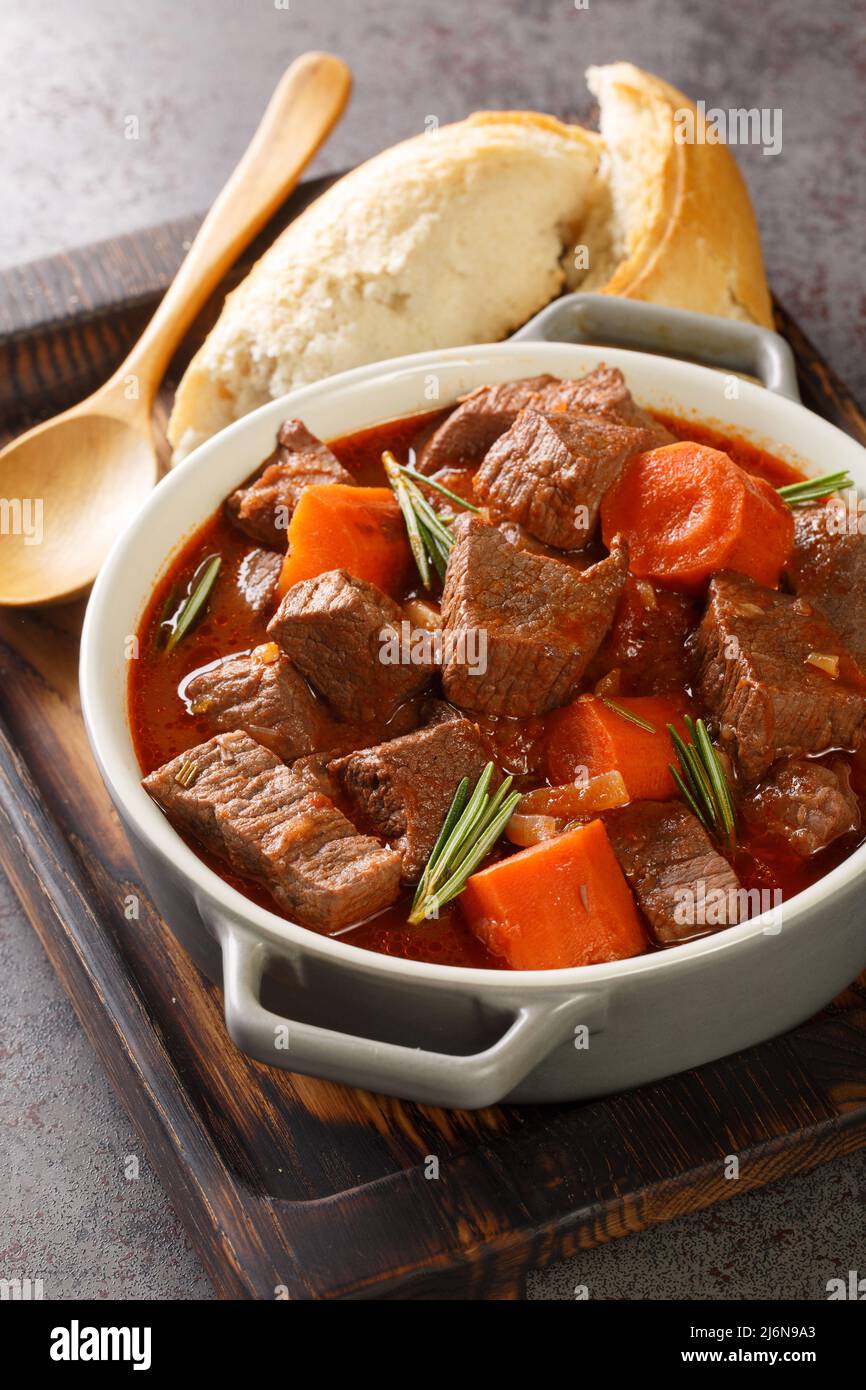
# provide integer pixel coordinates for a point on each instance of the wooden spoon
(69, 486)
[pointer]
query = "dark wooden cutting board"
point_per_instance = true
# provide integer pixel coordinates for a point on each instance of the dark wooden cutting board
(297, 1188)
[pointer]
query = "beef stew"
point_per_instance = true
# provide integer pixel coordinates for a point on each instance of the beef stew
(322, 741)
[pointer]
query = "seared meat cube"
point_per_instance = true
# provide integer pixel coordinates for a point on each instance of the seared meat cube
(402, 789)
(438, 712)
(257, 579)
(646, 651)
(603, 392)
(314, 769)
(261, 693)
(519, 536)
(335, 629)
(683, 886)
(775, 676)
(312, 772)
(264, 508)
(245, 806)
(479, 420)
(521, 629)
(805, 805)
(550, 472)
(828, 567)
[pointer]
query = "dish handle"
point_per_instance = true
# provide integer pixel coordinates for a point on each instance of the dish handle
(729, 344)
(434, 1078)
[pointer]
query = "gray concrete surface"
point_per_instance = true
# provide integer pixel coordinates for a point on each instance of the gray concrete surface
(196, 74)
(69, 1214)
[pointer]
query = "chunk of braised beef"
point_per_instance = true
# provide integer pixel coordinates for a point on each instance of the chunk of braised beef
(435, 711)
(479, 419)
(521, 629)
(774, 676)
(246, 807)
(340, 633)
(261, 693)
(683, 886)
(548, 473)
(827, 566)
(402, 790)
(646, 651)
(518, 535)
(603, 392)
(337, 738)
(263, 509)
(258, 574)
(803, 805)
(312, 772)
(343, 739)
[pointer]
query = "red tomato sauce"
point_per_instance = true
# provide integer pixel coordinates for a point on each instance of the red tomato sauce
(161, 726)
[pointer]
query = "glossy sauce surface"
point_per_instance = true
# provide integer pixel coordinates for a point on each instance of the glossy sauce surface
(162, 727)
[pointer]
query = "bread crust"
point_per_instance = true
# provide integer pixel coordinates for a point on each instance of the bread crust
(697, 245)
(462, 234)
(453, 236)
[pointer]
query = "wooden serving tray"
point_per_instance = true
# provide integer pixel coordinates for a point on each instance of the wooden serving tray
(292, 1187)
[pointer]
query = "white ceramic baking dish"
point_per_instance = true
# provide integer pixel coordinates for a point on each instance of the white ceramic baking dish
(439, 1034)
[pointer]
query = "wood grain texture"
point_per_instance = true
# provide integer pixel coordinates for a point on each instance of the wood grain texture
(290, 1183)
(67, 322)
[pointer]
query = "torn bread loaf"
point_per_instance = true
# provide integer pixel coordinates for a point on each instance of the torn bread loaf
(676, 219)
(462, 234)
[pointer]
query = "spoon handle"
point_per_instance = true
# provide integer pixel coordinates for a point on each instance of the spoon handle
(307, 103)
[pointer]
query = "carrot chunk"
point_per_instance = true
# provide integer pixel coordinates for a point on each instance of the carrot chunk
(688, 511)
(590, 737)
(563, 902)
(358, 529)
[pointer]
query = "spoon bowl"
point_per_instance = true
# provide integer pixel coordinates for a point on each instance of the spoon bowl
(67, 488)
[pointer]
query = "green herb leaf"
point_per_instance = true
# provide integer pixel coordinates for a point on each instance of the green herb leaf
(430, 536)
(437, 487)
(814, 489)
(702, 782)
(193, 601)
(417, 541)
(627, 714)
(454, 812)
(468, 833)
(721, 792)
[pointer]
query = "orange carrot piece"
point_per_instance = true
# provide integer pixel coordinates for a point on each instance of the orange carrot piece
(358, 529)
(590, 737)
(563, 902)
(688, 511)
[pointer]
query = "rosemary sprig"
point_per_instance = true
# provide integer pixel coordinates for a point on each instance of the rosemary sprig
(702, 781)
(628, 714)
(430, 537)
(470, 829)
(193, 600)
(813, 489)
(438, 487)
(168, 607)
(418, 543)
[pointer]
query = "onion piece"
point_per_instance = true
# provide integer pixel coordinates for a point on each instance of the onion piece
(647, 595)
(530, 830)
(609, 684)
(599, 793)
(267, 654)
(828, 664)
(423, 614)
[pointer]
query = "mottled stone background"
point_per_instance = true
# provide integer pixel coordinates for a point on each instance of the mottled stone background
(197, 73)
